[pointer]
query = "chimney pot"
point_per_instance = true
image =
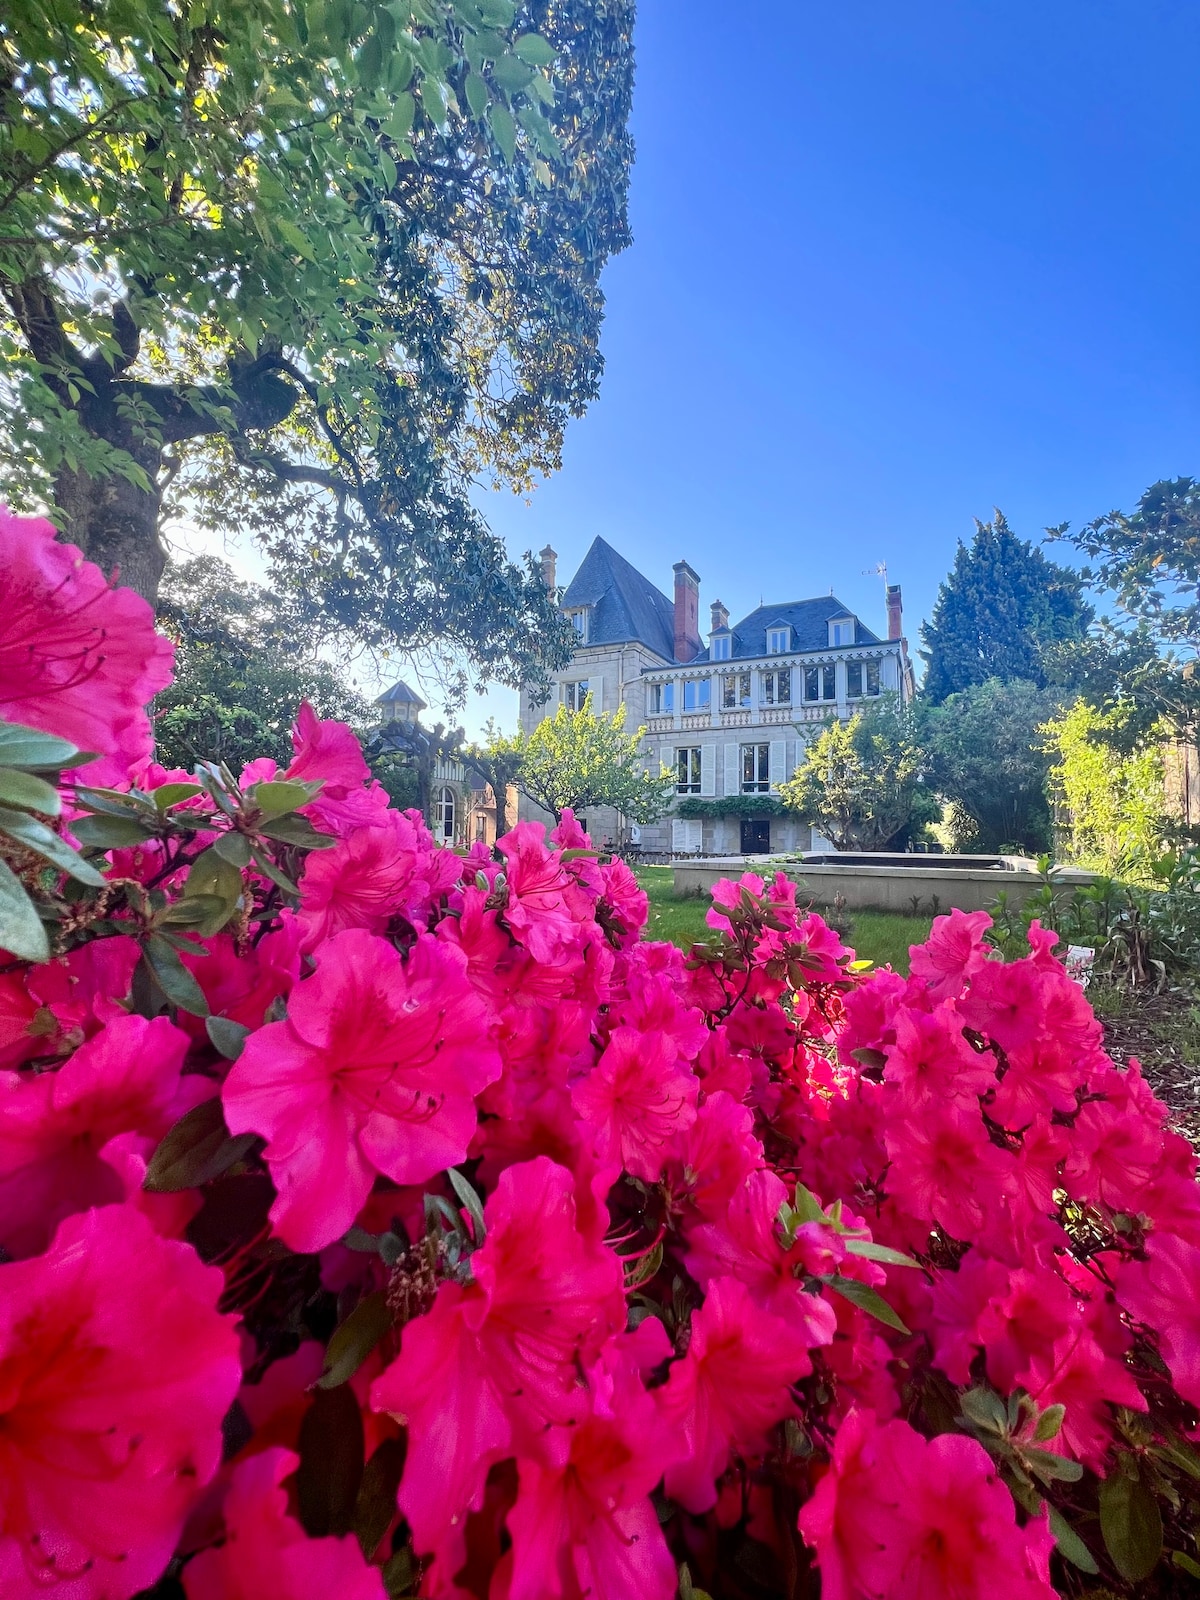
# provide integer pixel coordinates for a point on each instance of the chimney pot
(720, 615)
(688, 643)
(895, 612)
(549, 560)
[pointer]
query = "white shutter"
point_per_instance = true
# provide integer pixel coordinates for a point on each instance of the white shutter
(595, 684)
(777, 762)
(686, 834)
(708, 769)
(732, 786)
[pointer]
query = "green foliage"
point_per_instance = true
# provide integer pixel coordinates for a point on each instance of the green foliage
(307, 270)
(582, 759)
(859, 780)
(732, 805)
(1150, 559)
(985, 754)
(1109, 800)
(245, 659)
(1001, 608)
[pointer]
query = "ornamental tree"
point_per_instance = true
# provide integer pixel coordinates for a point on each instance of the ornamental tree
(309, 270)
(859, 781)
(1002, 604)
(577, 760)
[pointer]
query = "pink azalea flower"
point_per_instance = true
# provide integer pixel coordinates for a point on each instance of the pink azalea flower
(568, 835)
(1161, 1292)
(931, 1061)
(548, 910)
(1078, 1372)
(945, 1169)
(498, 1360)
(730, 1389)
(583, 1527)
(636, 1099)
(624, 907)
(53, 1126)
(899, 1517)
(392, 869)
(953, 953)
(710, 1160)
(265, 1552)
(115, 1373)
(241, 983)
(375, 1070)
(79, 657)
(50, 1009)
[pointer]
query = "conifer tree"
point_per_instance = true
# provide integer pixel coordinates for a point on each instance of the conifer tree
(999, 609)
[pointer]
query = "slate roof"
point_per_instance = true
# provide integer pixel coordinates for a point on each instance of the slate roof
(808, 619)
(624, 605)
(400, 691)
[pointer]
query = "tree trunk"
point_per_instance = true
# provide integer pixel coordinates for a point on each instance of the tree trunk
(115, 523)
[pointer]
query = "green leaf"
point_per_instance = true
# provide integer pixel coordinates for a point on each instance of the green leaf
(512, 75)
(354, 1339)
(21, 930)
(504, 129)
(37, 751)
(806, 1207)
(23, 789)
(212, 874)
(296, 237)
(234, 847)
(331, 1462)
(206, 913)
(269, 870)
(1070, 1546)
(376, 1503)
(280, 796)
(226, 1036)
(866, 1299)
(35, 835)
(880, 1252)
(399, 125)
(197, 1149)
(1050, 1467)
(471, 1201)
(535, 50)
(1185, 1563)
(1131, 1524)
(110, 833)
(985, 1409)
(399, 1574)
(297, 831)
(174, 979)
(477, 94)
(1049, 1424)
(370, 62)
(170, 794)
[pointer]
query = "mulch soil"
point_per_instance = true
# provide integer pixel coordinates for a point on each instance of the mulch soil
(1161, 1029)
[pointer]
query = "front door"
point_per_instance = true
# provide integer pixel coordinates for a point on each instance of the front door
(756, 836)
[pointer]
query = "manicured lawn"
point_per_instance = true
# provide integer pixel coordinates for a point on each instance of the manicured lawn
(878, 936)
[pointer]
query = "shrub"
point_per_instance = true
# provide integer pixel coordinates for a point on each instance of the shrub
(382, 1219)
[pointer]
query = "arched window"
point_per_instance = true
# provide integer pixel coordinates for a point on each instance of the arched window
(443, 814)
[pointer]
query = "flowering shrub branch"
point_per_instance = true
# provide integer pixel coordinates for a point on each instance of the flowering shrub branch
(383, 1220)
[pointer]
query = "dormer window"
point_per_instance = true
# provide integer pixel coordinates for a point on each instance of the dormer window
(841, 632)
(779, 639)
(722, 646)
(578, 620)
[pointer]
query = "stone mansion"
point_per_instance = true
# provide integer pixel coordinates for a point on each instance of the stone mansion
(729, 715)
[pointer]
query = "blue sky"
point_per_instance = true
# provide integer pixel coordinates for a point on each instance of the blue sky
(892, 265)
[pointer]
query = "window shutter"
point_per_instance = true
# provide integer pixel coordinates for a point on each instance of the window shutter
(776, 762)
(732, 786)
(708, 769)
(686, 834)
(595, 684)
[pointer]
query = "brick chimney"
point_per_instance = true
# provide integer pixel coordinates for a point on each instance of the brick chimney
(688, 643)
(549, 561)
(720, 616)
(895, 612)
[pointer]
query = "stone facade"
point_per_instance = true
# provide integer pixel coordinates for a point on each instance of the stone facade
(730, 716)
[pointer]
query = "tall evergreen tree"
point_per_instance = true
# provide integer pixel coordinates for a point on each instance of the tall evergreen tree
(999, 609)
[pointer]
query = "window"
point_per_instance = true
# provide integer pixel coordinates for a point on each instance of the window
(820, 683)
(687, 770)
(480, 828)
(697, 694)
(778, 640)
(662, 698)
(841, 633)
(777, 688)
(574, 694)
(443, 814)
(862, 678)
(578, 620)
(735, 690)
(756, 768)
(721, 647)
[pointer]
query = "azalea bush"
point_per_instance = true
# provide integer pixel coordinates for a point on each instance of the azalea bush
(384, 1220)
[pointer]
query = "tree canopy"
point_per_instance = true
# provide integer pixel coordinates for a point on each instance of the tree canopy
(859, 780)
(244, 660)
(583, 759)
(311, 269)
(1001, 607)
